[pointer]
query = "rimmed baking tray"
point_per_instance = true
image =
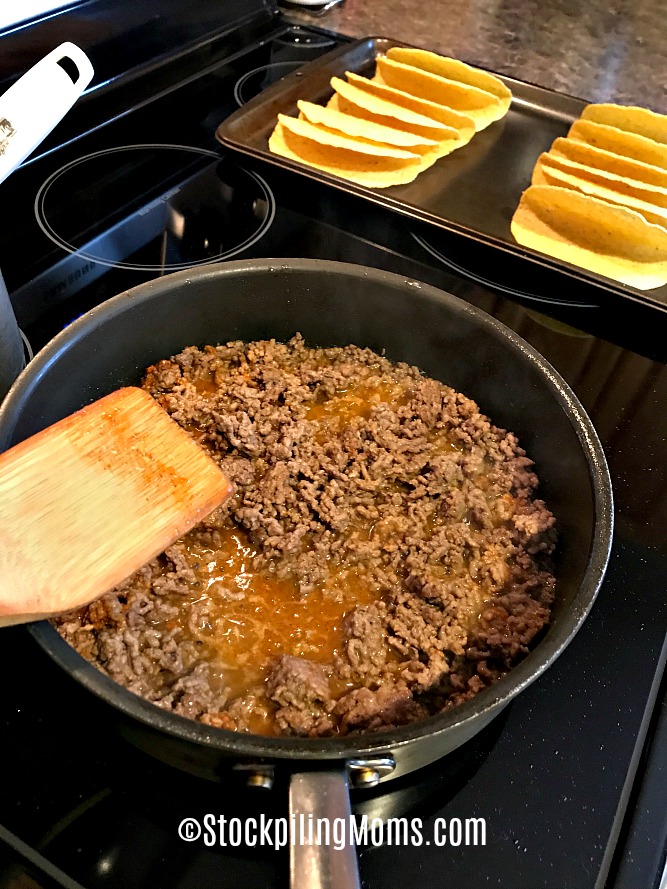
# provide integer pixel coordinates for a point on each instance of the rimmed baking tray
(473, 192)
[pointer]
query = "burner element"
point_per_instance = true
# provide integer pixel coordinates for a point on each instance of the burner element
(256, 81)
(498, 271)
(155, 208)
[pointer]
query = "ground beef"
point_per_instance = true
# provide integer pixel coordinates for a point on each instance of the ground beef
(300, 688)
(390, 704)
(350, 471)
(365, 648)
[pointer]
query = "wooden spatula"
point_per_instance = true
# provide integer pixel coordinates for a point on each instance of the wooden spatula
(89, 500)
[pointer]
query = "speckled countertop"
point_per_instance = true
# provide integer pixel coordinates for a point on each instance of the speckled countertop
(601, 50)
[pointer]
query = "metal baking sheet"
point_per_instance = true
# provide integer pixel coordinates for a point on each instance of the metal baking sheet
(472, 192)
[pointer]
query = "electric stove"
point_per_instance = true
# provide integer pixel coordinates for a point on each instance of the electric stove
(570, 779)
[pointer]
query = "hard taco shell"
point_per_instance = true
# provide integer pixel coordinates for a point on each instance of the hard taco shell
(620, 142)
(607, 161)
(452, 69)
(352, 100)
(369, 165)
(363, 130)
(483, 107)
(588, 232)
(650, 202)
(465, 126)
(630, 118)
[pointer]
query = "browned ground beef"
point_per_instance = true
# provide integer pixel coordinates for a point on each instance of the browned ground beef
(346, 466)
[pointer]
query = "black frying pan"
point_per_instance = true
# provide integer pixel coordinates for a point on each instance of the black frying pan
(334, 304)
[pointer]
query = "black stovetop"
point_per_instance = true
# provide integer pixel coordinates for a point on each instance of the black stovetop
(569, 778)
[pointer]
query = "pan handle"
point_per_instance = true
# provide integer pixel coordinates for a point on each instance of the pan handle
(321, 799)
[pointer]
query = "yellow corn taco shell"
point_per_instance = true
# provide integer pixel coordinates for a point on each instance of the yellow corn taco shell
(354, 101)
(547, 174)
(465, 126)
(621, 142)
(363, 130)
(369, 165)
(452, 69)
(588, 232)
(625, 167)
(340, 140)
(628, 190)
(484, 108)
(629, 118)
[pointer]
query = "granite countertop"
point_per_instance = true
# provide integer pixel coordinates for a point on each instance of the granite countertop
(601, 50)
